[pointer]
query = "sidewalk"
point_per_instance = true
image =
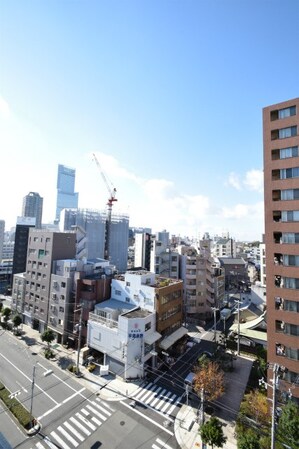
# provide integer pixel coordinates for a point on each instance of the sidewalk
(186, 426)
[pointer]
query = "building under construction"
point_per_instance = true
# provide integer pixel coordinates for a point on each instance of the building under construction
(93, 222)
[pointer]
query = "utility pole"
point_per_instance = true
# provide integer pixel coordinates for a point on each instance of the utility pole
(79, 339)
(273, 414)
(238, 343)
(187, 394)
(215, 334)
(202, 411)
(32, 391)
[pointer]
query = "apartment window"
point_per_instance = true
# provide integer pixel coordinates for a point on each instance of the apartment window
(290, 215)
(291, 283)
(283, 113)
(127, 299)
(128, 284)
(291, 306)
(41, 253)
(61, 309)
(290, 261)
(291, 329)
(292, 353)
(284, 133)
(285, 153)
(148, 326)
(290, 237)
(289, 194)
(63, 284)
(288, 173)
(117, 292)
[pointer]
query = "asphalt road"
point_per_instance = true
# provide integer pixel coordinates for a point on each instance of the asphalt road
(70, 414)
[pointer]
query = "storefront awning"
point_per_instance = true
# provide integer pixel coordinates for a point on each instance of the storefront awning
(171, 339)
(151, 338)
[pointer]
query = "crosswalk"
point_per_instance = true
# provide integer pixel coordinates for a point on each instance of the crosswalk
(160, 444)
(158, 398)
(73, 432)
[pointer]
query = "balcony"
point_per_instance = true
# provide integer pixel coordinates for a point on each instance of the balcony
(107, 322)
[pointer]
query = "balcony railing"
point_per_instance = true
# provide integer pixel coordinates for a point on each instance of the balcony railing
(108, 322)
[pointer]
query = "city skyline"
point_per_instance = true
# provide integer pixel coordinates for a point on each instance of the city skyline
(168, 95)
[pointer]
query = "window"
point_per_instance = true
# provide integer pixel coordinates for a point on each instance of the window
(117, 293)
(283, 113)
(291, 306)
(290, 215)
(61, 309)
(148, 326)
(41, 253)
(287, 173)
(285, 153)
(283, 133)
(287, 112)
(290, 237)
(63, 284)
(292, 283)
(128, 284)
(127, 299)
(290, 194)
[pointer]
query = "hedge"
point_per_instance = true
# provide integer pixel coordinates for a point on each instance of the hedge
(15, 407)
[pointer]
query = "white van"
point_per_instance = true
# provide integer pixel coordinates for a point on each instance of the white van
(189, 380)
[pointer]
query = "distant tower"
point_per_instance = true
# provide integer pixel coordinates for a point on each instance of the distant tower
(33, 207)
(66, 196)
(2, 228)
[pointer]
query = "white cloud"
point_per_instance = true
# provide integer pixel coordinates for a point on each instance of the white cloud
(254, 180)
(234, 181)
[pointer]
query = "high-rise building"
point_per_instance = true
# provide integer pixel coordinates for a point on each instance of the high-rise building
(21, 243)
(66, 196)
(93, 222)
(45, 248)
(33, 207)
(281, 178)
(2, 228)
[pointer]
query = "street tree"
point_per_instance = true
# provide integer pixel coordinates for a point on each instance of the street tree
(288, 425)
(209, 378)
(17, 320)
(249, 440)
(48, 336)
(6, 312)
(212, 433)
(255, 406)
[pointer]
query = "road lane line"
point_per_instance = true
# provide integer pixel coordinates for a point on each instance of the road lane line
(148, 419)
(81, 427)
(60, 441)
(68, 436)
(28, 378)
(73, 395)
(48, 412)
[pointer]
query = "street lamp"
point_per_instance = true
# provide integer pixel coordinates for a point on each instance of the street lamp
(79, 326)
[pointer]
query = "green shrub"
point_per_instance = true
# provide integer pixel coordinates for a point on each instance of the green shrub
(17, 409)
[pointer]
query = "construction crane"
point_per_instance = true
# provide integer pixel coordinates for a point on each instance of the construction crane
(112, 192)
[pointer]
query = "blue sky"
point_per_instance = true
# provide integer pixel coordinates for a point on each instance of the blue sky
(168, 94)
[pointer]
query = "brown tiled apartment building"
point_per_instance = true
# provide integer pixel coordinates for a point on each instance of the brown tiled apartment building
(281, 178)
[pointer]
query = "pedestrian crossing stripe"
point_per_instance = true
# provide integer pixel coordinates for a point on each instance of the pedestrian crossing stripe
(68, 436)
(86, 422)
(162, 445)
(60, 441)
(80, 426)
(157, 398)
(74, 431)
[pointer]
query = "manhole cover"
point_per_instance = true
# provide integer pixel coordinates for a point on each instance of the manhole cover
(122, 423)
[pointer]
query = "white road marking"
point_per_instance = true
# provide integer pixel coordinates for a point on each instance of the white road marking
(39, 445)
(74, 431)
(49, 443)
(96, 421)
(144, 389)
(168, 403)
(146, 417)
(60, 441)
(157, 398)
(68, 436)
(164, 445)
(101, 408)
(174, 405)
(154, 396)
(86, 422)
(158, 406)
(73, 395)
(103, 418)
(81, 427)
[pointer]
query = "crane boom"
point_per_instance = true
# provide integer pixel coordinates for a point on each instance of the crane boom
(111, 199)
